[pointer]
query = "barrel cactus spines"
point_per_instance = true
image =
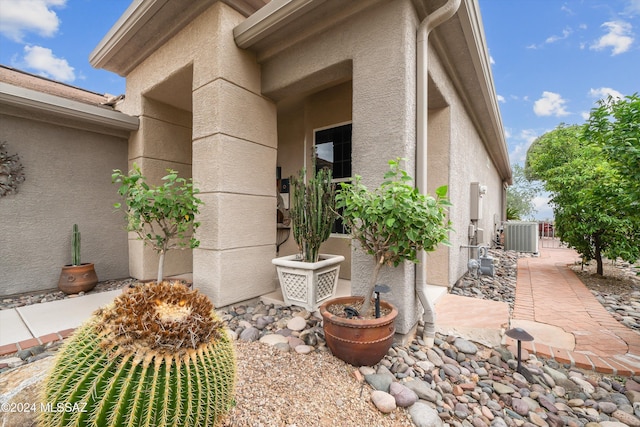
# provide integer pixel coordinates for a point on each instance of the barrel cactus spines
(75, 246)
(157, 356)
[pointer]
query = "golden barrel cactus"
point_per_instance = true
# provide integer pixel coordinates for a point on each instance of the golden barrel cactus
(157, 356)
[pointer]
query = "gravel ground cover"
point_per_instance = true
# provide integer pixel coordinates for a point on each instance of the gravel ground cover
(288, 378)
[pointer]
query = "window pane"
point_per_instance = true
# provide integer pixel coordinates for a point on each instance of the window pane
(333, 151)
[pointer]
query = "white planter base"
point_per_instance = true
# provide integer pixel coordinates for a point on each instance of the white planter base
(307, 284)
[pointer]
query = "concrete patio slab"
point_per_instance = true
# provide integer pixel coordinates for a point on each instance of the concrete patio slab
(482, 321)
(13, 328)
(42, 319)
(543, 333)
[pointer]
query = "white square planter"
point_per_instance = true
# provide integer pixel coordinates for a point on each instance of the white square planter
(308, 284)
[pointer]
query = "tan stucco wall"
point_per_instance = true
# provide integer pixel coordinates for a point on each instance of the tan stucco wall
(381, 65)
(296, 124)
(238, 102)
(68, 181)
(464, 160)
(162, 142)
(228, 143)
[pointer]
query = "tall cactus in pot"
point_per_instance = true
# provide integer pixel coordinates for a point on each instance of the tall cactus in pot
(312, 212)
(75, 246)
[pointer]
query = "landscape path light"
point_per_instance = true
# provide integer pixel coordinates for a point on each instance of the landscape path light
(520, 335)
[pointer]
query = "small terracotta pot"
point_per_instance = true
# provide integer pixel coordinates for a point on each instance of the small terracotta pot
(359, 342)
(77, 278)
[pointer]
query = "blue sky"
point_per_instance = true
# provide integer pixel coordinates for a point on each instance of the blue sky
(551, 59)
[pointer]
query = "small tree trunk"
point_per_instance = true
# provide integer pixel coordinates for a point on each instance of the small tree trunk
(366, 307)
(161, 266)
(598, 254)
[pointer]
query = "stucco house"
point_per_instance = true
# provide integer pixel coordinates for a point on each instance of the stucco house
(237, 93)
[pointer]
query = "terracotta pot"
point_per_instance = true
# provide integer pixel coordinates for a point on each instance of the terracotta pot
(359, 342)
(77, 278)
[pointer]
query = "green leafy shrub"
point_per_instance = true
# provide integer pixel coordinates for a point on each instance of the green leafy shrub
(394, 221)
(162, 216)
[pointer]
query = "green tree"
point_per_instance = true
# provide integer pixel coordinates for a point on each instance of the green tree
(587, 195)
(614, 126)
(520, 195)
(162, 216)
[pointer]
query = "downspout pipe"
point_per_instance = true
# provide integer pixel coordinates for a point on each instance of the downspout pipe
(440, 15)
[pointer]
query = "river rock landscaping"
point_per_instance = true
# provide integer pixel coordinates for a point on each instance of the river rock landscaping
(287, 377)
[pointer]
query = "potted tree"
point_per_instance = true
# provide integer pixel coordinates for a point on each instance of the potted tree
(392, 223)
(77, 277)
(162, 216)
(309, 277)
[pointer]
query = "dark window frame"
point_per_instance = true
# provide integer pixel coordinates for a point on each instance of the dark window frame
(339, 158)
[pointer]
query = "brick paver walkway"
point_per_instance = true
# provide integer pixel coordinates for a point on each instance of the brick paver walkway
(547, 291)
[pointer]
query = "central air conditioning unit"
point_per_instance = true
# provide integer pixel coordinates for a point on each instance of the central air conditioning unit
(521, 236)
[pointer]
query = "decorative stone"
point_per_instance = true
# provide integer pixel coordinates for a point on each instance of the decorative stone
(633, 396)
(465, 346)
(273, 339)
(303, 349)
(379, 381)
(383, 401)
(537, 420)
(556, 375)
(250, 334)
(502, 389)
(584, 385)
(628, 419)
(607, 407)
(404, 396)
(423, 415)
(520, 406)
(423, 390)
(297, 323)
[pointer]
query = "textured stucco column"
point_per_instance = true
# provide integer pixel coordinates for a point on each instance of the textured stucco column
(234, 163)
(384, 129)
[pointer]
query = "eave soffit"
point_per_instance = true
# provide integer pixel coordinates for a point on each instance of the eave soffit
(36, 101)
(148, 24)
(460, 43)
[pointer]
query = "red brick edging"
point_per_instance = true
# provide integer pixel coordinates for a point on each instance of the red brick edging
(604, 365)
(32, 342)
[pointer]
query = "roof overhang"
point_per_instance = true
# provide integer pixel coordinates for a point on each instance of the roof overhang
(461, 43)
(148, 24)
(35, 101)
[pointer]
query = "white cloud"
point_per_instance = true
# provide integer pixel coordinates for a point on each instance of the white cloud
(567, 10)
(633, 7)
(19, 17)
(46, 64)
(551, 104)
(619, 37)
(519, 152)
(541, 205)
(605, 92)
(501, 99)
(585, 115)
(540, 201)
(565, 33)
(491, 60)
